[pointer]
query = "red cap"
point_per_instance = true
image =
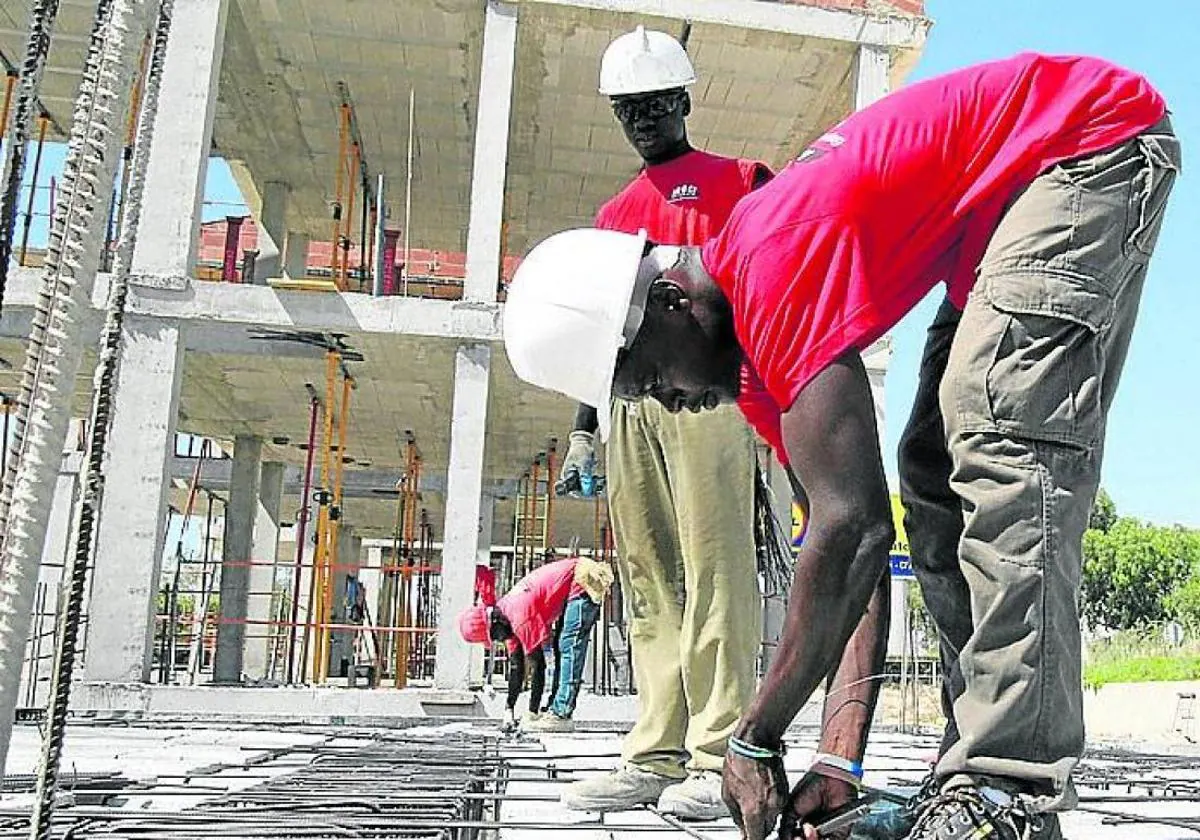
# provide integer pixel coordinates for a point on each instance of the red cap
(473, 624)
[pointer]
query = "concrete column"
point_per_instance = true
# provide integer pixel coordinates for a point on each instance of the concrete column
(491, 151)
(872, 73)
(295, 255)
(238, 548)
(133, 509)
(272, 230)
(871, 84)
(170, 226)
(464, 487)
(483, 557)
(341, 642)
(264, 554)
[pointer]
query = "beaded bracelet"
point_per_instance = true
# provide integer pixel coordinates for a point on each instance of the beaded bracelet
(740, 748)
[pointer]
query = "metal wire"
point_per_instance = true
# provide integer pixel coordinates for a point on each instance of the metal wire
(99, 423)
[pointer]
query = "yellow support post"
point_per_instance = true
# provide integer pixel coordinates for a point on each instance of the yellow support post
(320, 583)
(343, 138)
(348, 216)
(331, 551)
(9, 82)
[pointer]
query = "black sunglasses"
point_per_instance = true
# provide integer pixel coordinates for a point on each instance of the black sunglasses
(650, 107)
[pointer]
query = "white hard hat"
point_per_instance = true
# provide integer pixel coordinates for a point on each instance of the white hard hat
(574, 302)
(643, 61)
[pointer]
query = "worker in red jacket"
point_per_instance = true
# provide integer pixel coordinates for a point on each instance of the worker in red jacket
(524, 618)
(680, 487)
(1035, 188)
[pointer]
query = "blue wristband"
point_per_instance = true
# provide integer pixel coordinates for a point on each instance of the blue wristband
(837, 762)
(745, 750)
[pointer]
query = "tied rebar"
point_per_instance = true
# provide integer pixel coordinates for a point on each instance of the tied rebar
(100, 417)
(55, 345)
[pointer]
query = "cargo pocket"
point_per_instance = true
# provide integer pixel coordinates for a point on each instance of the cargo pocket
(1044, 381)
(1148, 194)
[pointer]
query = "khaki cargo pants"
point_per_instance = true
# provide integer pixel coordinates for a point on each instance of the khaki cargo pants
(1000, 461)
(681, 497)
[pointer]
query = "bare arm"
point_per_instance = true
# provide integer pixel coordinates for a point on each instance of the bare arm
(832, 444)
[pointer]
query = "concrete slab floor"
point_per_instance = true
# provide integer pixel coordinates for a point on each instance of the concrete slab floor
(182, 766)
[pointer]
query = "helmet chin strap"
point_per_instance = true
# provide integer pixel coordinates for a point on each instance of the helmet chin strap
(660, 259)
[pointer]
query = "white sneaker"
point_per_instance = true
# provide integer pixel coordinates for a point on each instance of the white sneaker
(550, 722)
(698, 797)
(623, 790)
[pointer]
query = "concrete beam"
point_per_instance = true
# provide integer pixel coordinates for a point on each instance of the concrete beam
(809, 21)
(221, 312)
(169, 230)
(491, 151)
(221, 305)
(133, 508)
(357, 484)
(472, 365)
(237, 550)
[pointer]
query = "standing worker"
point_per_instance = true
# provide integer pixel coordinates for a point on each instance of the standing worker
(681, 487)
(1035, 188)
(569, 590)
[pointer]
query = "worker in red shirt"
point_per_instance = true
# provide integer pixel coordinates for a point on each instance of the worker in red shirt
(681, 487)
(570, 590)
(1035, 188)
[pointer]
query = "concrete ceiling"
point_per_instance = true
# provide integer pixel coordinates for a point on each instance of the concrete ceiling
(68, 49)
(404, 384)
(284, 68)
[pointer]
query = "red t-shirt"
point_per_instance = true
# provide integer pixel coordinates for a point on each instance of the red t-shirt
(686, 202)
(682, 202)
(900, 196)
(537, 600)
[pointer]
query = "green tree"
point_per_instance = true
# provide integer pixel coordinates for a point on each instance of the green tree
(1104, 512)
(1132, 572)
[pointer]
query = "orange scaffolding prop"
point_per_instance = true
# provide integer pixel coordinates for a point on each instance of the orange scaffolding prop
(315, 603)
(335, 518)
(10, 81)
(343, 142)
(348, 216)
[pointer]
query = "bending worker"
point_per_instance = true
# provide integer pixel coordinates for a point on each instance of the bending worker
(681, 487)
(1034, 187)
(524, 619)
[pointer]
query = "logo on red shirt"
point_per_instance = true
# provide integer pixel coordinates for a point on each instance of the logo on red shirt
(684, 192)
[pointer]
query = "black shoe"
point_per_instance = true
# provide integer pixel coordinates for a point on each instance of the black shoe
(889, 821)
(968, 812)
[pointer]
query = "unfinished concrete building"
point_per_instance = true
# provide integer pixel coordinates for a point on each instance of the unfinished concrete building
(398, 157)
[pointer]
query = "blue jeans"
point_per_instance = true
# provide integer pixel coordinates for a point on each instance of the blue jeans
(578, 619)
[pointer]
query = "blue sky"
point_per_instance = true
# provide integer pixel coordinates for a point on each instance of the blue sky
(1152, 466)
(1152, 462)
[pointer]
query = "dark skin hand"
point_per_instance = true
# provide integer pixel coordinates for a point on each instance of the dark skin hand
(829, 631)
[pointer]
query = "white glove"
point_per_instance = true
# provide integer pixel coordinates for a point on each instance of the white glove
(578, 466)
